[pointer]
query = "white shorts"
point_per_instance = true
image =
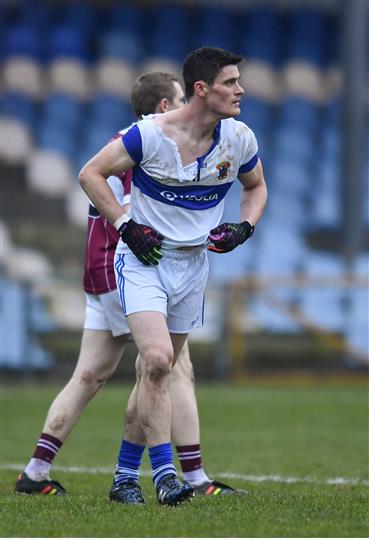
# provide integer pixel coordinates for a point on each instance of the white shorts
(176, 287)
(104, 312)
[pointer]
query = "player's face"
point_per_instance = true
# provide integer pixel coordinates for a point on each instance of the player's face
(179, 98)
(224, 95)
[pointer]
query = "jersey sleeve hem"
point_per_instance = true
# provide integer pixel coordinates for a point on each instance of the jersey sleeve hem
(247, 167)
(133, 143)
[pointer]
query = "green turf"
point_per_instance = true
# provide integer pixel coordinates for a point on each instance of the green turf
(313, 434)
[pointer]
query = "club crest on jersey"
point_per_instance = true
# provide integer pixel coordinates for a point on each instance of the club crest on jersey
(223, 167)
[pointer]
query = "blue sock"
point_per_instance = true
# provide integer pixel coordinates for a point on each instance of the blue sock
(161, 458)
(129, 461)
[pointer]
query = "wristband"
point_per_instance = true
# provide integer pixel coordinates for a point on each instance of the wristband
(122, 219)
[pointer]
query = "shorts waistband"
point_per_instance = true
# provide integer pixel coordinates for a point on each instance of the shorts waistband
(186, 248)
(184, 251)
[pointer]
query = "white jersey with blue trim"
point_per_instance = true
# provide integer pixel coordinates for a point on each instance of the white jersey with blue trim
(185, 203)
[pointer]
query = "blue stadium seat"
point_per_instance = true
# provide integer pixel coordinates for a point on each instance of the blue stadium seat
(125, 18)
(307, 36)
(83, 155)
(123, 35)
(37, 15)
(82, 15)
(288, 209)
(300, 112)
(328, 173)
(288, 173)
(68, 41)
(53, 137)
(257, 114)
(261, 37)
(214, 27)
(332, 113)
(331, 142)
(325, 211)
(121, 45)
(63, 110)
(97, 136)
(22, 39)
(20, 107)
(168, 32)
(296, 144)
(115, 112)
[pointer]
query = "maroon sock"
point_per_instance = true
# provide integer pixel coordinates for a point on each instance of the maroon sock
(47, 447)
(189, 457)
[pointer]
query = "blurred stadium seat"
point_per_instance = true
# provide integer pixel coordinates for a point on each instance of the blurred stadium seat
(17, 145)
(261, 80)
(29, 266)
(62, 110)
(24, 74)
(168, 32)
(49, 172)
(19, 106)
(114, 76)
(77, 204)
(69, 75)
(262, 22)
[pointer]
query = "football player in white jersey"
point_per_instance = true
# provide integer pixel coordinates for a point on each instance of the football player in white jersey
(183, 163)
(105, 335)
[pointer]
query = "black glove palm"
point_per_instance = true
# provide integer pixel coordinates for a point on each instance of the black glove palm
(228, 236)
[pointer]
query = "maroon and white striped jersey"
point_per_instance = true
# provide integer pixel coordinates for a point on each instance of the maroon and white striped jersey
(102, 239)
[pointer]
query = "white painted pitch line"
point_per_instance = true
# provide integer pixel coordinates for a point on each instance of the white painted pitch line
(338, 481)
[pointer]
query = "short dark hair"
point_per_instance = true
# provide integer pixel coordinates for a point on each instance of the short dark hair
(150, 89)
(204, 64)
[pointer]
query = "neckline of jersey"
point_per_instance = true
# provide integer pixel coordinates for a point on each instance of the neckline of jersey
(200, 160)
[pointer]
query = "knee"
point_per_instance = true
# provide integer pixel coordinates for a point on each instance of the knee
(157, 364)
(91, 380)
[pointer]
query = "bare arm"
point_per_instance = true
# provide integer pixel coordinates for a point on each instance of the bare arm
(111, 160)
(253, 195)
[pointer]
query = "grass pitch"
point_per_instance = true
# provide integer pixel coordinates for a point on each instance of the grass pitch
(302, 453)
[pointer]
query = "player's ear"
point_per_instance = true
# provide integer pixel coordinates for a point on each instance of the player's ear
(201, 88)
(163, 106)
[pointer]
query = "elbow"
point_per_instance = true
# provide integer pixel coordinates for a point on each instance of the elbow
(83, 177)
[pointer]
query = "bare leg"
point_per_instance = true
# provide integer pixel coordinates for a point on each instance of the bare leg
(99, 356)
(157, 352)
(185, 417)
(133, 431)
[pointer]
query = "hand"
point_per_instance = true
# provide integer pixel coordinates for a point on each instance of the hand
(143, 241)
(228, 236)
